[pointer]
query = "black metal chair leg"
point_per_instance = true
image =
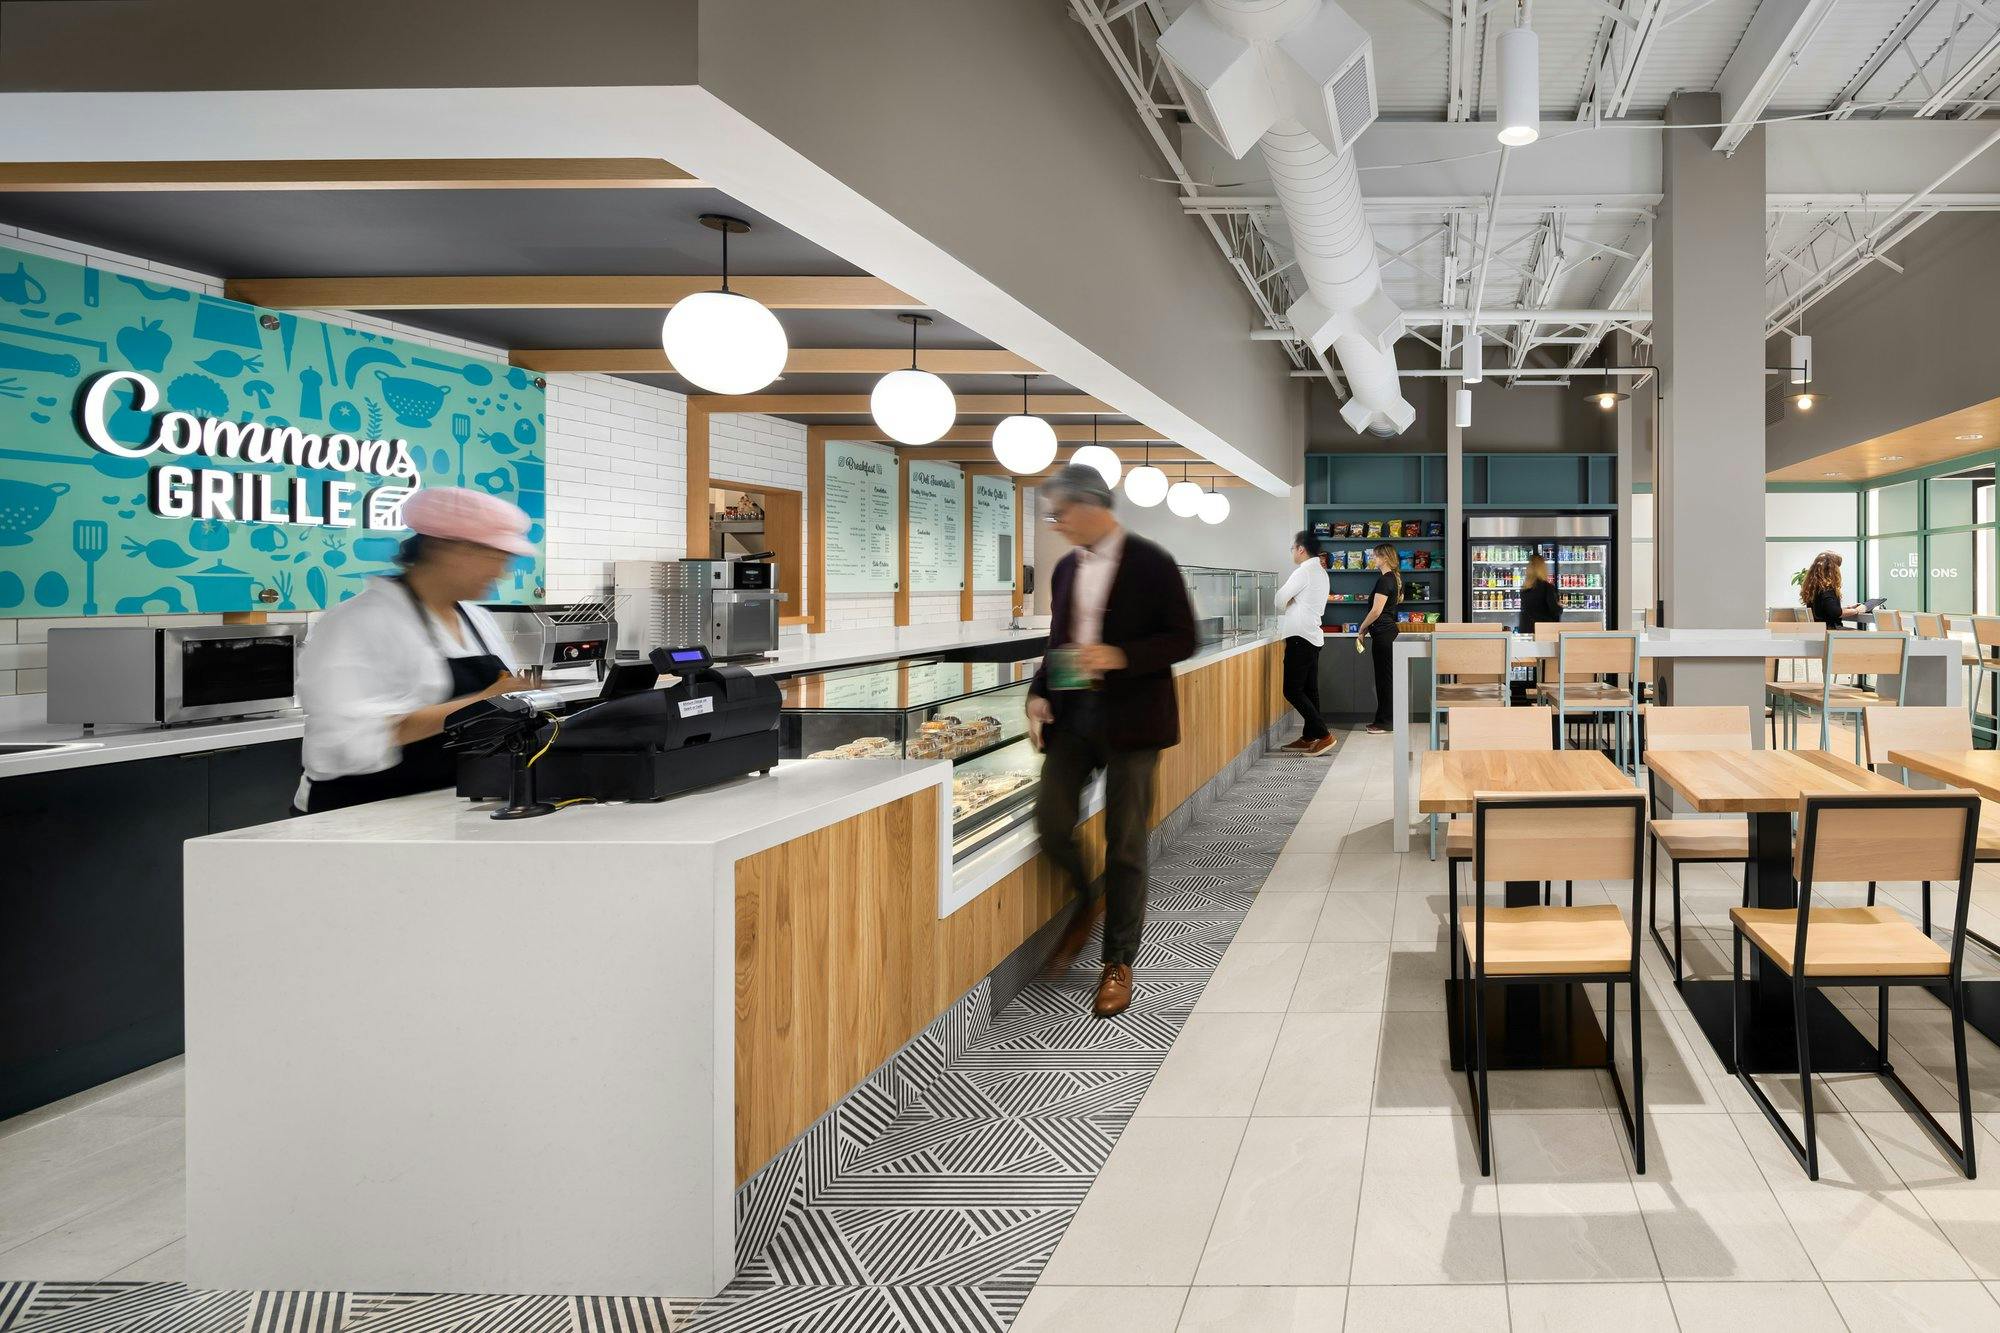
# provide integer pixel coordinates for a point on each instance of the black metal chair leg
(1882, 1027)
(1927, 905)
(1736, 1000)
(1871, 893)
(1805, 1077)
(1568, 888)
(1638, 1083)
(1964, 1078)
(1679, 938)
(1479, 1047)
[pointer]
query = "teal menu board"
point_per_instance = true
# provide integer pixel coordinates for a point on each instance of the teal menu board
(166, 451)
(937, 527)
(993, 559)
(861, 522)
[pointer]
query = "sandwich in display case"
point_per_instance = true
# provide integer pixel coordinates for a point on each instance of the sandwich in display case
(973, 714)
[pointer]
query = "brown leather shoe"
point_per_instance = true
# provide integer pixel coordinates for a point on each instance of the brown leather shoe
(1114, 990)
(1320, 746)
(1074, 937)
(1294, 746)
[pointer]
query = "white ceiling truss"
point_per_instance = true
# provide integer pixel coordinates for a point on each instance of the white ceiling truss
(1571, 257)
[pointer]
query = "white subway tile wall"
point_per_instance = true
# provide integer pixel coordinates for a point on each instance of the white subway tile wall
(617, 476)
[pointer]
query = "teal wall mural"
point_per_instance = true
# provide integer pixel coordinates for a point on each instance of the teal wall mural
(166, 451)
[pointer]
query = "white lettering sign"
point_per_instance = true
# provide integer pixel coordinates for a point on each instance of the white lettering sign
(175, 490)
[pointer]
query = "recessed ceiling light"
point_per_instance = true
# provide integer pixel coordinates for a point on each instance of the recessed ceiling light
(1833, 474)
(1892, 458)
(1975, 435)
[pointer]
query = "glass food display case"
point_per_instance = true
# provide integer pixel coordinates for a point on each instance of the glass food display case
(973, 714)
(1229, 602)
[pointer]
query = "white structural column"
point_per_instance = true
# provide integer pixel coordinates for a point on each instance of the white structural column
(1632, 430)
(1454, 500)
(1708, 335)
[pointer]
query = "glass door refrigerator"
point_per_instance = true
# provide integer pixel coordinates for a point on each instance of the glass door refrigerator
(1580, 549)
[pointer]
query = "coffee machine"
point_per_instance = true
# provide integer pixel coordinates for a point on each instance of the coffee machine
(729, 607)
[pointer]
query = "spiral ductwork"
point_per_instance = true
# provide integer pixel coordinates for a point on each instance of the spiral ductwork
(1296, 79)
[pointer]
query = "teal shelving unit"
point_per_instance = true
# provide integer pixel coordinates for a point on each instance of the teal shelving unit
(1350, 489)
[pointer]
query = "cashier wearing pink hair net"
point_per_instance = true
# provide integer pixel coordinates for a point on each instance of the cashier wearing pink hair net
(382, 671)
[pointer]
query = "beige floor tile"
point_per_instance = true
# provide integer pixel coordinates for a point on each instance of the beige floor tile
(166, 1264)
(1322, 1065)
(1215, 1066)
(1319, 838)
(36, 1201)
(1264, 1309)
(1304, 873)
(1413, 1074)
(1801, 1306)
(1054, 1309)
(1253, 978)
(1914, 1307)
(1147, 1215)
(1422, 918)
(1427, 1309)
(1857, 1222)
(93, 1246)
(1426, 1215)
(1567, 1209)
(1706, 1206)
(1369, 835)
(1366, 872)
(1416, 979)
(1350, 918)
(1281, 917)
(1967, 1211)
(1562, 1307)
(1287, 1216)
(1342, 978)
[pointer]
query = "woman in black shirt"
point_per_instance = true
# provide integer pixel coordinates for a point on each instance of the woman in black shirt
(1820, 590)
(1539, 603)
(1378, 631)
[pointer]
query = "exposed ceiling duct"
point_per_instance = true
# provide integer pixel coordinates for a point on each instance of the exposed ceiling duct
(1297, 78)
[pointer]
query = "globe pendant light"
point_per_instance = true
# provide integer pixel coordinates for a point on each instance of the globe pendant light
(1024, 443)
(1097, 456)
(913, 406)
(1146, 485)
(1184, 496)
(721, 341)
(1214, 506)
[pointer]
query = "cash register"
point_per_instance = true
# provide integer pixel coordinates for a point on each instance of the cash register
(633, 742)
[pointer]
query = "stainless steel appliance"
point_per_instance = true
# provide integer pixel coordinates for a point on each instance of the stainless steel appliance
(729, 607)
(544, 638)
(1581, 551)
(140, 675)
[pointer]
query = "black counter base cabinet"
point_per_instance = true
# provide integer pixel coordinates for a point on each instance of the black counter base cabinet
(90, 908)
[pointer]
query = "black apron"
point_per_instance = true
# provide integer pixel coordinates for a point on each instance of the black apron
(425, 765)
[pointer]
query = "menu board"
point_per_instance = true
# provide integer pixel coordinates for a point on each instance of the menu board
(937, 527)
(861, 526)
(993, 559)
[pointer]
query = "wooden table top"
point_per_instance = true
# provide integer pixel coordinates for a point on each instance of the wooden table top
(1977, 769)
(1760, 781)
(1452, 777)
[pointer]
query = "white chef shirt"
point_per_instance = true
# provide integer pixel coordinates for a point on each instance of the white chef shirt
(1096, 567)
(370, 662)
(1303, 597)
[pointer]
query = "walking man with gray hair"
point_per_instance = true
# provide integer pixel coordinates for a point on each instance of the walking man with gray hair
(1104, 699)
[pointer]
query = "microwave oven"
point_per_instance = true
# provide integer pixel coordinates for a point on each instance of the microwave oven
(146, 675)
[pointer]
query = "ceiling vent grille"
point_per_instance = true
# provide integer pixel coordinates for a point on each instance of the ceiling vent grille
(1353, 99)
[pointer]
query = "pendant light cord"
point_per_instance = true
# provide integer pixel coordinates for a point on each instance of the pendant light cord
(913, 344)
(725, 259)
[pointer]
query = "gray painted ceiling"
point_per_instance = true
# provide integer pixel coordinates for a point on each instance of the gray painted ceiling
(359, 233)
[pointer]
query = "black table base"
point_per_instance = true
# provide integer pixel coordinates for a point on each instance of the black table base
(1528, 1026)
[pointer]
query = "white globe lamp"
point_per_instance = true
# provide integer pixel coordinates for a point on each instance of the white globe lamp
(913, 406)
(1101, 458)
(1184, 498)
(1024, 443)
(721, 341)
(1145, 486)
(1214, 507)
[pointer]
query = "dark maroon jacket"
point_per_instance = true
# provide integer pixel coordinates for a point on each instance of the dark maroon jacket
(1147, 615)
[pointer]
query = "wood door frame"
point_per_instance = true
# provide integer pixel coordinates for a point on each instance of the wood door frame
(784, 535)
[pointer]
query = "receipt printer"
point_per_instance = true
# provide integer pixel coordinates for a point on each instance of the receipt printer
(636, 742)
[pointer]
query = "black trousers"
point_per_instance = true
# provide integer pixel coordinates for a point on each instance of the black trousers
(1070, 756)
(1382, 647)
(1302, 685)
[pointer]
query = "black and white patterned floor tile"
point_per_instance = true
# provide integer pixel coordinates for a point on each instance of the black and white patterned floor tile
(929, 1214)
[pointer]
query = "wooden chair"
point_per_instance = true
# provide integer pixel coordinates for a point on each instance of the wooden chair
(1724, 840)
(1878, 835)
(1583, 657)
(1468, 670)
(1782, 671)
(1490, 729)
(1929, 625)
(1546, 836)
(1888, 621)
(1985, 665)
(1851, 654)
(1889, 727)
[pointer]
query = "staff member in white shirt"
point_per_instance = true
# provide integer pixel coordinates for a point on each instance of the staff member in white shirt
(1302, 598)
(380, 673)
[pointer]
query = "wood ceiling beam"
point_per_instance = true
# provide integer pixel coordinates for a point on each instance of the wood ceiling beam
(800, 361)
(553, 292)
(537, 173)
(856, 404)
